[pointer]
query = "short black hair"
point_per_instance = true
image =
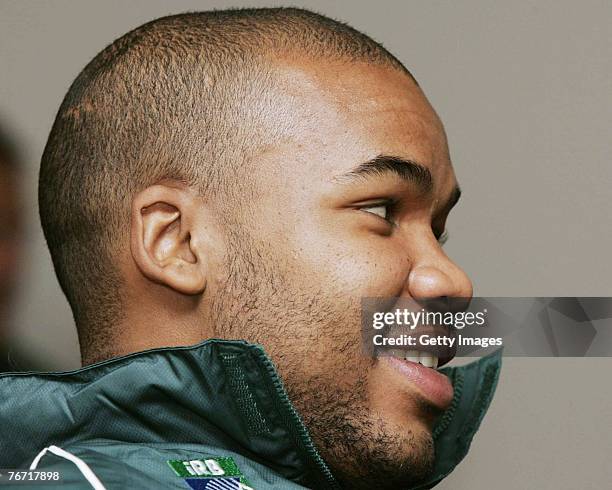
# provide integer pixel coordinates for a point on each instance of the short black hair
(177, 98)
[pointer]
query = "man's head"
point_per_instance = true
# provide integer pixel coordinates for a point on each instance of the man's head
(253, 174)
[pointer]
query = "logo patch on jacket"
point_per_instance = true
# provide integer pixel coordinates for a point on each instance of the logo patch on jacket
(212, 473)
(231, 483)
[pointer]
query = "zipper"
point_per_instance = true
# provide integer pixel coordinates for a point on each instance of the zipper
(297, 423)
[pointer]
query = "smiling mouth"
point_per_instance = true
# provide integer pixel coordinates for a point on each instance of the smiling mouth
(426, 359)
(431, 355)
(420, 368)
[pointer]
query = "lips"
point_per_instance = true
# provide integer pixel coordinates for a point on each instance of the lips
(419, 366)
(432, 385)
(427, 354)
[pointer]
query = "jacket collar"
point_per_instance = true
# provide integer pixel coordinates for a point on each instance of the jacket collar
(224, 392)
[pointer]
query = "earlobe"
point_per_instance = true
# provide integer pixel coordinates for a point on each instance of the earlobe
(163, 225)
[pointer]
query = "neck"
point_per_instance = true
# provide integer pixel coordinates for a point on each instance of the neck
(132, 335)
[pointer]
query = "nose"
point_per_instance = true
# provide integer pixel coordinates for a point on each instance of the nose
(438, 277)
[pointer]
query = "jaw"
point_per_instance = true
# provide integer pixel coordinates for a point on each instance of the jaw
(377, 454)
(371, 429)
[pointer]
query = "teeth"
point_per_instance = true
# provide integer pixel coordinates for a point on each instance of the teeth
(412, 355)
(425, 358)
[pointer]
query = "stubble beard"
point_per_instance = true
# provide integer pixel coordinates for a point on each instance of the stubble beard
(360, 447)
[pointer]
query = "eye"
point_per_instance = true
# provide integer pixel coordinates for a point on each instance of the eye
(385, 209)
(381, 210)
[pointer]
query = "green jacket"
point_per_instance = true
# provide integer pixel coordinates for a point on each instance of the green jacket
(211, 416)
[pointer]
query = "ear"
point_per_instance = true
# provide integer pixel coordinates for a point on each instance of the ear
(163, 238)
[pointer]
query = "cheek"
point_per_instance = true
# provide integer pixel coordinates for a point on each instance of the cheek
(370, 268)
(357, 263)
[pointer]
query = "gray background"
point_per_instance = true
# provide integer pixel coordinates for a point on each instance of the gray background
(524, 89)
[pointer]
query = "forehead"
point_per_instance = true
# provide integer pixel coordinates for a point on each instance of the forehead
(345, 113)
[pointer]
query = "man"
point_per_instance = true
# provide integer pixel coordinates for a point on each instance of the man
(251, 175)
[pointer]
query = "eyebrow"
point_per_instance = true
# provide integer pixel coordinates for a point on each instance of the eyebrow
(407, 170)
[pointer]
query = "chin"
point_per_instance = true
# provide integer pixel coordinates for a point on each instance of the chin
(390, 467)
